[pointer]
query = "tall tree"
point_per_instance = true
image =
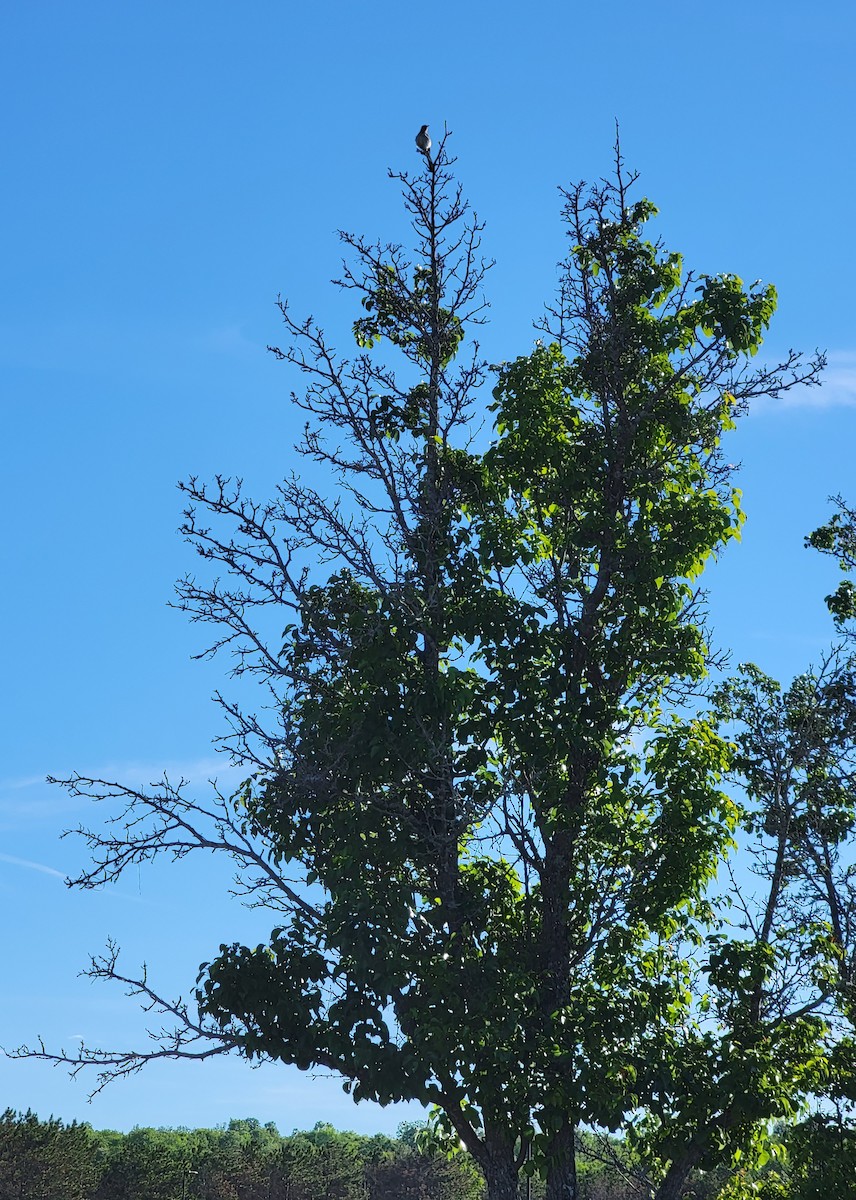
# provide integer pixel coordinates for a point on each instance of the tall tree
(484, 820)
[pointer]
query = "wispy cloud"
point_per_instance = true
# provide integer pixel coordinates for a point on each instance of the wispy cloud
(31, 866)
(137, 774)
(29, 801)
(111, 893)
(837, 388)
(197, 771)
(228, 339)
(25, 781)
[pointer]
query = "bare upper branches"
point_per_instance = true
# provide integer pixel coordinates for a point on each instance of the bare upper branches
(183, 1036)
(146, 824)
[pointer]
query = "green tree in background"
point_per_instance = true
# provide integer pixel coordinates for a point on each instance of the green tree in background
(488, 811)
(822, 1151)
(151, 1164)
(46, 1160)
(796, 762)
(237, 1163)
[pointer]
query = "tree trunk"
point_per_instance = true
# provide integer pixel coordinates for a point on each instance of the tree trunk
(672, 1187)
(562, 1171)
(562, 1182)
(500, 1174)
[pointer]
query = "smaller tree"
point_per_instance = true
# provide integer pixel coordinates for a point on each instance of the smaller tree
(235, 1163)
(796, 762)
(337, 1163)
(46, 1160)
(838, 539)
(822, 1156)
(409, 1168)
(150, 1164)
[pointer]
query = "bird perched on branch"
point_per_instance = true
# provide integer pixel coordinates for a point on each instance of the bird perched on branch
(423, 141)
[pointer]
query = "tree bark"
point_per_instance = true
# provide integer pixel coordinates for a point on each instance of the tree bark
(562, 1171)
(500, 1175)
(672, 1187)
(495, 1155)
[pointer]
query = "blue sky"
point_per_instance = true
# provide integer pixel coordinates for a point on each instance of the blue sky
(169, 168)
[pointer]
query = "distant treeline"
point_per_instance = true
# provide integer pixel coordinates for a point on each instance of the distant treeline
(245, 1160)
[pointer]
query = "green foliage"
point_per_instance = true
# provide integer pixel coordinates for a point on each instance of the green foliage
(786, 981)
(567, 554)
(46, 1160)
(822, 1154)
(404, 314)
(150, 1163)
(492, 810)
(837, 538)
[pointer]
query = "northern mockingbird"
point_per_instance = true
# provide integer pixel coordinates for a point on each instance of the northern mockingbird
(423, 141)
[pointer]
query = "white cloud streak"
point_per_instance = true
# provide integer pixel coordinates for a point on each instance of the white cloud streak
(31, 866)
(837, 389)
(26, 801)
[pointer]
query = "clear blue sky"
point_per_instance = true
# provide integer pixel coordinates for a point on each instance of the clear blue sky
(169, 167)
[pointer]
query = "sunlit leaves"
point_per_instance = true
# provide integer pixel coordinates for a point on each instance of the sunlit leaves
(509, 832)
